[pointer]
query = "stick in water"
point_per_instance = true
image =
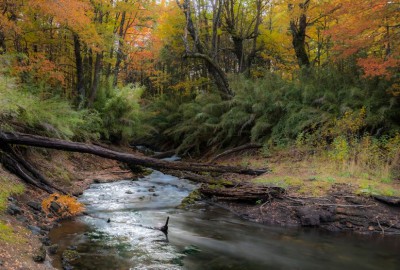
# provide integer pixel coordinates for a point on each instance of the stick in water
(164, 228)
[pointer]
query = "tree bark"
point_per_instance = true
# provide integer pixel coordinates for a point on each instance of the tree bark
(298, 29)
(212, 66)
(24, 170)
(120, 49)
(80, 83)
(236, 149)
(39, 141)
(96, 78)
(243, 192)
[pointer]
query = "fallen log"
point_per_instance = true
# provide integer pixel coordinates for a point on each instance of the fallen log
(245, 192)
(236, 149)
(17, 165)
(164, 154)
(40, 141)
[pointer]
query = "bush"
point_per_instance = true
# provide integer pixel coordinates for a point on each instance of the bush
(276, 111)
(120, 112)
(23, 111)
(62, 205)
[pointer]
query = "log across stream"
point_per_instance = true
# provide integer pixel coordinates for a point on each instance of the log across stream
(203, 236)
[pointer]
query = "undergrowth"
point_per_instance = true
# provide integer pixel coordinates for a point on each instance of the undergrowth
(272, 111)
(21, 110)
(66, 206)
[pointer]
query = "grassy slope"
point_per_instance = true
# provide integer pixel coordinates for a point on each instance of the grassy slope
(308, 175)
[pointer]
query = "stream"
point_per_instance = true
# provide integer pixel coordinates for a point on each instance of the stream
(201, 237)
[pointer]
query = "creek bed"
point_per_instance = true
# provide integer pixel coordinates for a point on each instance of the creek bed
(201, 237)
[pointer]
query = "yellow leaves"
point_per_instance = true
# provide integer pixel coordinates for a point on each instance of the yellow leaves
(62, 205)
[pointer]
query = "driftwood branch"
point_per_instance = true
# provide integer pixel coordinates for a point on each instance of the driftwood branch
(236, 149)
(39, 141)
(243, 192)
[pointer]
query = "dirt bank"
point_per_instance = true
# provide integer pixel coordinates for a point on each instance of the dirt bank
(24, 226)
(318, 194)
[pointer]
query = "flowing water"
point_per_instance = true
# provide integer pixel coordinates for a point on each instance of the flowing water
(201, 237)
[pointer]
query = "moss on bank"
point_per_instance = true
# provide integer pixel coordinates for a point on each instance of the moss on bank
(7, 188)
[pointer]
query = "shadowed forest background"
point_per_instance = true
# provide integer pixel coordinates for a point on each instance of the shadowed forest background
(202, 76)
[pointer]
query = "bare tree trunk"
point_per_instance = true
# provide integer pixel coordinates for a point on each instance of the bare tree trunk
(96, 78)
(298, 29)
(80, 83)
(39, 141)
(120, 53)
(213, 68)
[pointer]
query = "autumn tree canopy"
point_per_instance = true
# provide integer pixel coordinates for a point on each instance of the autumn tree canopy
(186, 45)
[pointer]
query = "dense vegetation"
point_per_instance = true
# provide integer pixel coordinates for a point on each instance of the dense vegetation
(200, 76)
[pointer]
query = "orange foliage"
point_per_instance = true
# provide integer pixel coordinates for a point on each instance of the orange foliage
(378, 67)
(68, 206)
(41, 69)
(367, 27)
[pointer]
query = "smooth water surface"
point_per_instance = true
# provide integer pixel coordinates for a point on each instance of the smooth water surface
(202, 237)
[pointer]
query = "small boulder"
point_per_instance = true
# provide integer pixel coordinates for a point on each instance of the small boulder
(55, 207)
(53, 249)
(34, 229)
(313, 217)
(22, 219)
(35, 206)
(128, 192)
(45, 241)
(13, 209)
(70, 256)
(40, 255)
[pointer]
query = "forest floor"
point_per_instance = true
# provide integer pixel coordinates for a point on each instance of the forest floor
(317, 195)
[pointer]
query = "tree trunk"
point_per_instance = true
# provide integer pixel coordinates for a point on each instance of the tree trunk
(96, 79)
(299, 41)
(119, 50)
(298, 29)
(243, 192)
(24, 170)
(236, 149)
(80, 87)
(39, 141)
(218, 75)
